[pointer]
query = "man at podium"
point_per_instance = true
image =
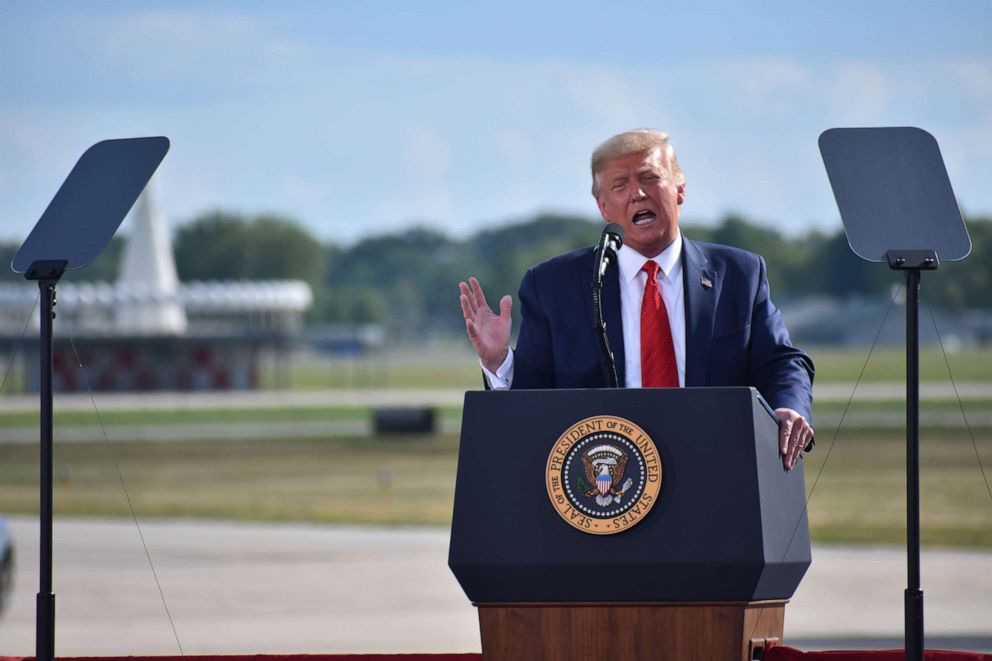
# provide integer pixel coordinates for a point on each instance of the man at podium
(691, 314)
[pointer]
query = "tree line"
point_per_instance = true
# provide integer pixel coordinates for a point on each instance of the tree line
(407, 280)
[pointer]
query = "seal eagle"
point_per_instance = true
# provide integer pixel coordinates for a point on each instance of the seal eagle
(604, 467)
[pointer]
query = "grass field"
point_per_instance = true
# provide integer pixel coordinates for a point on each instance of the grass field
(345, 480)
(459, 369)
(455, 367)
(859, 497)
(827, 412)
(113, 417)
(163, 417)
(860, 494)
(835, 365)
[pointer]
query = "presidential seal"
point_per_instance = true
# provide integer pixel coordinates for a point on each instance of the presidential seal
(603, 475)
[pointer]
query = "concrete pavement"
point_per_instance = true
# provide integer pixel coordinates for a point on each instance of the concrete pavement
(241, 588)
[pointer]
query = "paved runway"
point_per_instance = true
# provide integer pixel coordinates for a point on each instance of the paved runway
(825, 392)
(179, 401)
(241, 588)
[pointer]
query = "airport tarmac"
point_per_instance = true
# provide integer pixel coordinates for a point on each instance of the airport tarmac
(280, 588)
(261, 430)
(81, 401)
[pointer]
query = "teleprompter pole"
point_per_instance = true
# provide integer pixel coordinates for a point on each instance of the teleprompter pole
(47, 273)
(914, 595)
(913, 262)
(45, 637)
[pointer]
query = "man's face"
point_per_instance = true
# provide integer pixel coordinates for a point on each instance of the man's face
(638, 192)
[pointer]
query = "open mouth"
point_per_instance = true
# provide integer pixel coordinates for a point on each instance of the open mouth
(643, 217)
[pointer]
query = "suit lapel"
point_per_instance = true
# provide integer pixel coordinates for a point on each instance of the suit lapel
(701, 289)
(611, 314)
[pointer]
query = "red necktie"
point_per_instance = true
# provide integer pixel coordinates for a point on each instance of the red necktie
(658, 368)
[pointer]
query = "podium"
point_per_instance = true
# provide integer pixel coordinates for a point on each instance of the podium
(704, 573)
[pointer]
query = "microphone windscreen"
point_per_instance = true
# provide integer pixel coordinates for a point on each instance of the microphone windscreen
(615, 229)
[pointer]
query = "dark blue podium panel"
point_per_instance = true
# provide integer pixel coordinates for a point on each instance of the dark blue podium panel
(893, 192)
(92, 202)
(729, 525)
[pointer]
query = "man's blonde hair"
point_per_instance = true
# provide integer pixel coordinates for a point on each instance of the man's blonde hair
(634, 142)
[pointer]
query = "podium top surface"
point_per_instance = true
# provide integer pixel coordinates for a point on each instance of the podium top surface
(893, 192)
(92, 202)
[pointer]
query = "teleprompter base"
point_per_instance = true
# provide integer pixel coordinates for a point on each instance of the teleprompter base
(686, 631)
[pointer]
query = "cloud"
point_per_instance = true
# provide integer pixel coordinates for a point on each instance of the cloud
(189, 51)
(860, 92)
(607, 95)
(513, 145)
(974, 76)
(33, 139)
(429, 153)
(302, 189)
(425, 192)
(766, 86)
(265, 114)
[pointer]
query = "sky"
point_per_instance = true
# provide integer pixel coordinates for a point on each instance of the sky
(363, 118)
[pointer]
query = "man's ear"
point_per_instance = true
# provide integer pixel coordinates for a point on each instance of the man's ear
(681, 192)
(601, 203)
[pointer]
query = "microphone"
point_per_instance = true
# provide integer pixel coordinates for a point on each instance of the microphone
(606, 252)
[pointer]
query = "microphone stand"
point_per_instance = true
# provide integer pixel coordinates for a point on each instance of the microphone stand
(602, 262)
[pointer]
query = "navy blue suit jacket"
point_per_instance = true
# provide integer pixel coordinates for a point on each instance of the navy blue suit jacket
(734, 333)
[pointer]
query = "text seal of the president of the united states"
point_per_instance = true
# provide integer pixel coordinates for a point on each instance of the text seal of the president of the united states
(603, 475)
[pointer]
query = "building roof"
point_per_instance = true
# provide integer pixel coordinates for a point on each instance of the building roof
(220, 296)
(148, 298)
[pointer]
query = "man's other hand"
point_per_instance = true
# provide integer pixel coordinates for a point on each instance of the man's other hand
(488, 332)
(794, 434)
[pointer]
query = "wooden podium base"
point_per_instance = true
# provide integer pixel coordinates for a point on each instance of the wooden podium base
(684, 631)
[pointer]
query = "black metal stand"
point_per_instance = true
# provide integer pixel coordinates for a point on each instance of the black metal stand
(47, 274)
(913, 262)
(606, 253)
(892, 190)
(77, 225)
(604, 342)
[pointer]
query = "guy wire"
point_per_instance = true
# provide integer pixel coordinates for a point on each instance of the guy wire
(127, 495)
(967, 425)
(833, 440)
(17, 350)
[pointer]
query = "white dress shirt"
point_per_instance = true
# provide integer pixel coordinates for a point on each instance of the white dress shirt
(632, 282)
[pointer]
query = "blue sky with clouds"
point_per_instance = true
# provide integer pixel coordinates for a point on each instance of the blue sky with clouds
(363, 118)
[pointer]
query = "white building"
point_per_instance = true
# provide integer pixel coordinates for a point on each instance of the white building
(148, 331)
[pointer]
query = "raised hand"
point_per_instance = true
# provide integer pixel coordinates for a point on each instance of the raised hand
(488, 332)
